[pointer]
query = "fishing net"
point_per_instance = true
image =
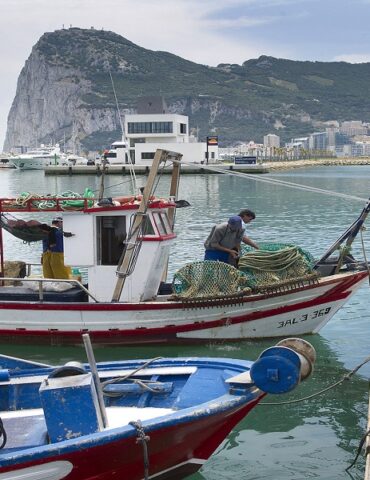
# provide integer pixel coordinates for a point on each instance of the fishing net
(29, 200)
(274, 264)
(209, 279)
(28, 231)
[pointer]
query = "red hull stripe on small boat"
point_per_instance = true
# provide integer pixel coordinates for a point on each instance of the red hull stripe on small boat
(169, 446)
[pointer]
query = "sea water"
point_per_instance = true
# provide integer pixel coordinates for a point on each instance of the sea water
(312, 438)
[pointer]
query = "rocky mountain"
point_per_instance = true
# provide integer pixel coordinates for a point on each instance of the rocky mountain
(64, 92)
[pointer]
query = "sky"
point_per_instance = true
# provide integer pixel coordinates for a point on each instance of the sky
(203, 31)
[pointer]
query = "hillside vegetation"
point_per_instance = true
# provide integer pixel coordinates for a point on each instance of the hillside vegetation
(236, 102)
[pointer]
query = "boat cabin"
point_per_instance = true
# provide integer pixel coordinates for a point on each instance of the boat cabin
(123, 242)
(100, 238)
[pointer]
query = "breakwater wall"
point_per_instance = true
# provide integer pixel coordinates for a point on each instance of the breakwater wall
(317, 162)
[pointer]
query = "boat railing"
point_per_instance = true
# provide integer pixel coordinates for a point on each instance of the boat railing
(42, 281)
(30, 203)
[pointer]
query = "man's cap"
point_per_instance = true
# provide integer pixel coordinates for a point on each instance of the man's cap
(235, 221)
(58, 219)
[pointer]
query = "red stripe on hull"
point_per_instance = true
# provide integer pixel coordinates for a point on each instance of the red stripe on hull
(338, 285)
(165, 334)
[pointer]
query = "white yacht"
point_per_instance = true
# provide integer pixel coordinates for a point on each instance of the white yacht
(117, 154)
(39, 158)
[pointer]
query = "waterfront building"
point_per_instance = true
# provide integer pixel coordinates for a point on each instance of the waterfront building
(154, 127)
(271, 145)
(331, 137)
(318, 141)
(352, 128)
(271, 140)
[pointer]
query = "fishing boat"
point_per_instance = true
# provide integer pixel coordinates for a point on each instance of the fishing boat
(39, 158)
(124, 245)
(143, 419)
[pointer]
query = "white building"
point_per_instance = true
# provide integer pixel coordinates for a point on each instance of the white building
(354, 127)
(271, 140)
(153, 127)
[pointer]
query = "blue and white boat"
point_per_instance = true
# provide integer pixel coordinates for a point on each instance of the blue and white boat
(132, 420)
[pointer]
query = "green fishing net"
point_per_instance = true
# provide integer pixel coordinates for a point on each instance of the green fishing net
(272, 264)
(209, 279)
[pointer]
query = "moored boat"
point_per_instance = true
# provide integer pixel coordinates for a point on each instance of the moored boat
(160, 418)
(39, 158)
(124, 244)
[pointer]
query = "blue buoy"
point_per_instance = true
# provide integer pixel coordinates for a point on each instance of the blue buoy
(277, 370)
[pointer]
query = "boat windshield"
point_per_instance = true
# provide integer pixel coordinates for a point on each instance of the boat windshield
(162, 223)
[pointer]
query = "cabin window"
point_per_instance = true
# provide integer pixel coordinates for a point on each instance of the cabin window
(147, 226)
(111, 233)
(149, 127)
(182, 127)
(162, 223)
(147, 155)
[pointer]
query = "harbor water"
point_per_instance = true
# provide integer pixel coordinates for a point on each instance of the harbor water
(314, 438)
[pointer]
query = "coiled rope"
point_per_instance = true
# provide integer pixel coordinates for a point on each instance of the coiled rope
(48, 201)
(264, 260)
(128, 377)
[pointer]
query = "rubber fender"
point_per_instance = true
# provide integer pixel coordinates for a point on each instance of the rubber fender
(277, 370)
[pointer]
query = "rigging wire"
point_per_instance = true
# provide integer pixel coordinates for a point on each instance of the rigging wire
(275, 181)
(131, 169)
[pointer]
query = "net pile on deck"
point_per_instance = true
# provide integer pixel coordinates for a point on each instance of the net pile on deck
(209, 279)
(273, 265)
(65, 201)
(276, 264)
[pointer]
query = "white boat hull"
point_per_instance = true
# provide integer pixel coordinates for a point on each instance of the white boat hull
(301, 310)
(36, 163)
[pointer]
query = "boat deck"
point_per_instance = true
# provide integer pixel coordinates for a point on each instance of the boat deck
(27, 428)
(24, 294)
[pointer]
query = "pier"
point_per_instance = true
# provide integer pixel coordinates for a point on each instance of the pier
(144, 169)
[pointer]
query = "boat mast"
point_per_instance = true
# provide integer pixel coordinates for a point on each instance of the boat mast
(126, 262)
(349, 235)
(174, 188)
(124, 139)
